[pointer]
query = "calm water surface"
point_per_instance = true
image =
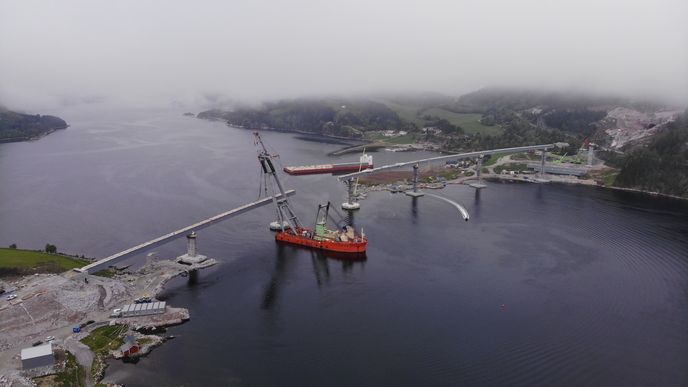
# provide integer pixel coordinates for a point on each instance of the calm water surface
(594, 283)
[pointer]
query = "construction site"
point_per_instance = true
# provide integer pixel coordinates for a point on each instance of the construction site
(65, 308)
(55, 313)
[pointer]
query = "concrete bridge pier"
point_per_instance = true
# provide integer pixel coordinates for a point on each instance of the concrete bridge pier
(191, 255)
(541, 175)
(415, 192)
(479, 169)
(351, 203)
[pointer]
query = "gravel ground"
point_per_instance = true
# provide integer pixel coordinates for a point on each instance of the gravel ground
(50, 305)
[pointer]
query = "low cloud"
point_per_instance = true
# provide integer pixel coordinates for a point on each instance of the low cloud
(213, 52)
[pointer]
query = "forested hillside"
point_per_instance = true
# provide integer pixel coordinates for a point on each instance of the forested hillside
(645, 140)
(482, 119)
(348, 118)
(661, 165)
(20, 127)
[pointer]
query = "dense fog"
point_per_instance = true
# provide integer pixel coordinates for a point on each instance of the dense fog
(184, 53)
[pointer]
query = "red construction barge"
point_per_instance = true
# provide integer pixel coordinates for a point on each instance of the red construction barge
(344, 241)
(366, 162)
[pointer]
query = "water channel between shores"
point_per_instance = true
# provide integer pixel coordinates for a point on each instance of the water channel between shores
(547, 284)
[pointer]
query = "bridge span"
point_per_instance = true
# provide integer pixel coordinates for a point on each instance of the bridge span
(118, 257)
(349, 178)
(457, 156)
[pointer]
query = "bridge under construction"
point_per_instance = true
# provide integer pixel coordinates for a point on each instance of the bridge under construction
(122, 255)
(349, 178)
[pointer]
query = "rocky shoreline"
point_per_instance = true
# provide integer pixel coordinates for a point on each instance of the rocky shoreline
(395, 188)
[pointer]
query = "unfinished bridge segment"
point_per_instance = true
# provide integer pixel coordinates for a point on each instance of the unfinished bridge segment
(122, 255)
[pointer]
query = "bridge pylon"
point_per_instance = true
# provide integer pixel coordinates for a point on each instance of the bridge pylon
(351, 202)
(541, 176)
(479, 168)
(415, 192)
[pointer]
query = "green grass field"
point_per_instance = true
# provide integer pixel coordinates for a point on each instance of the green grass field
(470, 122)
(102, 340)
(105, 339)
(399, 140)
(405, 112)
(27, 259)
(405, 139)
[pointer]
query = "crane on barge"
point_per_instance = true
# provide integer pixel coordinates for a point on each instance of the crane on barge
(288, 226)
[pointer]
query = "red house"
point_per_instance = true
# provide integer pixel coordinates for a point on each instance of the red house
(130, 346)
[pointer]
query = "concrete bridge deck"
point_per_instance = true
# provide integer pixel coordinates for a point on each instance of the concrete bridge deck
(457, 156)
(118, 257)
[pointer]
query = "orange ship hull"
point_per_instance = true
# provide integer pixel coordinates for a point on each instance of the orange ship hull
(358, 245)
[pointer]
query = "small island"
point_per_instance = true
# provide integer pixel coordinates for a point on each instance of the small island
(22, 127)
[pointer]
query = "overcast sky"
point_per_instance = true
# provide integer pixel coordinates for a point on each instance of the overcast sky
(149, 52)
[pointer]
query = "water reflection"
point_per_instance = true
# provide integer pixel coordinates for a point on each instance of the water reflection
(476, 202)
(538, 191)
(320, 261)
(321, 268)
(272, 287)
(193, 278)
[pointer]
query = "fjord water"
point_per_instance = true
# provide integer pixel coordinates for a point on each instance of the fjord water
(545, 285)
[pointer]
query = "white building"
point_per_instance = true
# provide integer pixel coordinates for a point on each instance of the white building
(431, 130)
(39, 356)
(143, 309)
(394, 133)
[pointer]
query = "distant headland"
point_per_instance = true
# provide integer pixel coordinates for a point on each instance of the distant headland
(22, 127)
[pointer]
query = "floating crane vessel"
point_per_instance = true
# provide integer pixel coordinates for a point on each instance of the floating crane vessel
(288, 226)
